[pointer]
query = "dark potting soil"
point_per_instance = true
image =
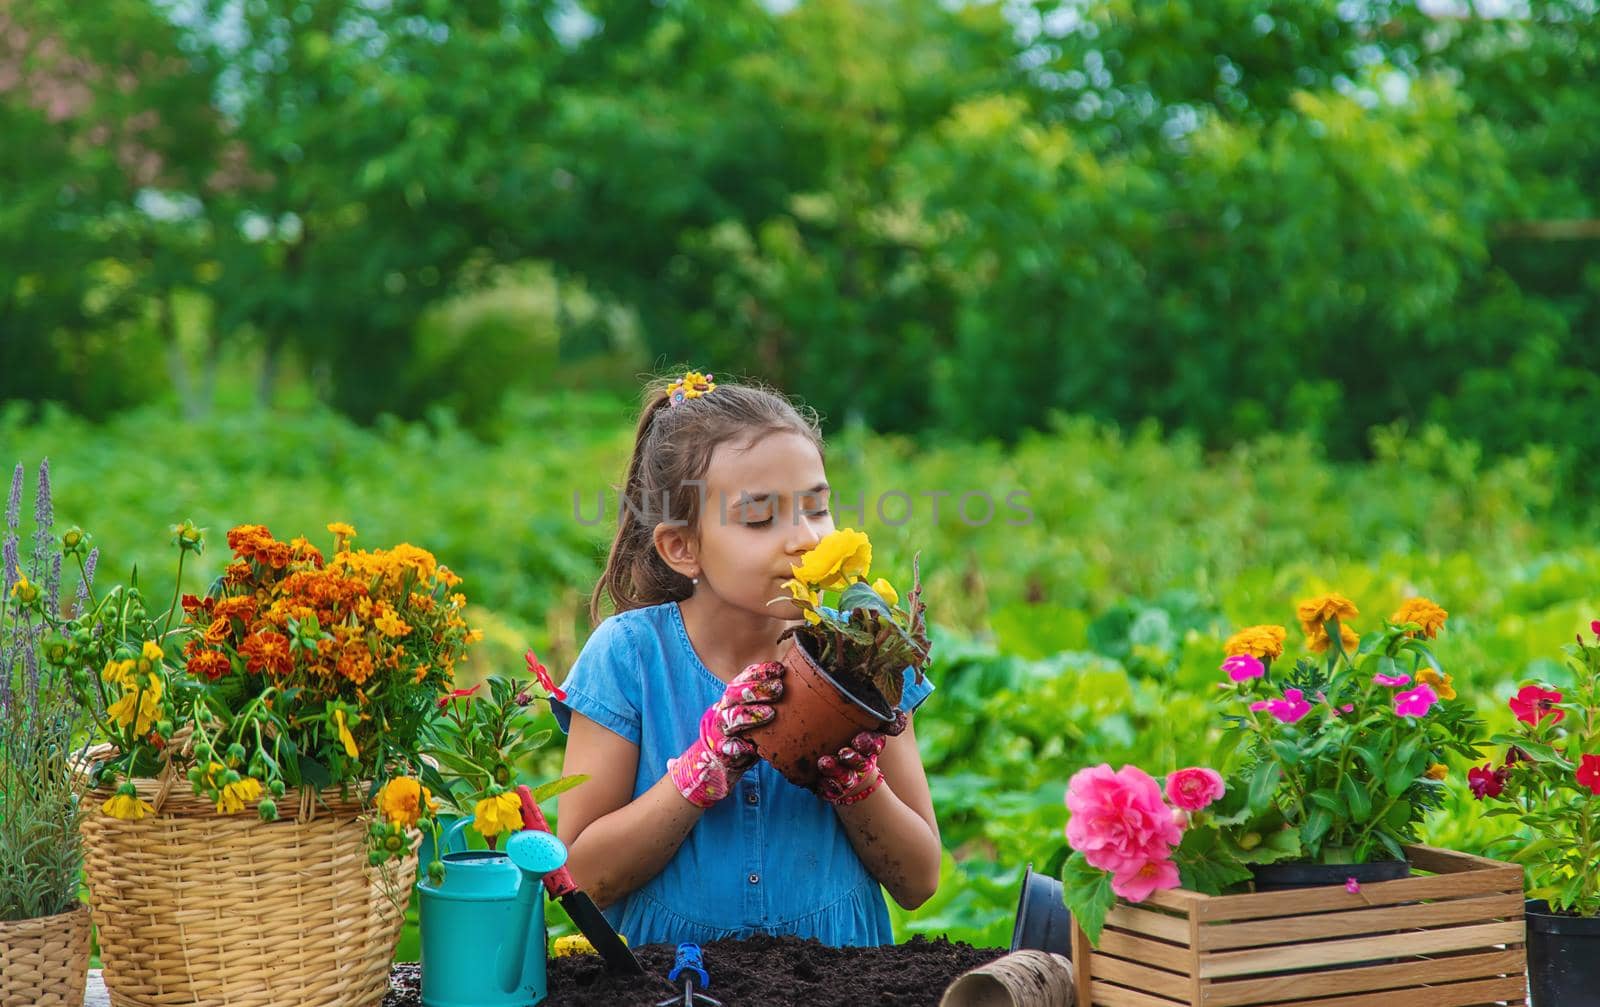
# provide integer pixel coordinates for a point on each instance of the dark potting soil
(757, 972)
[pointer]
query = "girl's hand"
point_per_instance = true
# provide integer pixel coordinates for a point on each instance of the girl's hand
(853, 774)
(707, 770)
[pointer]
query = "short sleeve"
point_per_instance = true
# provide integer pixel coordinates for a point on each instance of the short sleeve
(913, 693)
(604, 683)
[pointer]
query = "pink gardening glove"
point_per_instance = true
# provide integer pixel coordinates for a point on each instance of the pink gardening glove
(853, 774)
(707, 770)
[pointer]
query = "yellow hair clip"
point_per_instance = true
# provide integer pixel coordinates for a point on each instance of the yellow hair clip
(692, 385)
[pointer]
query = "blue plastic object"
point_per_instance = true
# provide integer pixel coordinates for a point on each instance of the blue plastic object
(689, 960)
(482, 927)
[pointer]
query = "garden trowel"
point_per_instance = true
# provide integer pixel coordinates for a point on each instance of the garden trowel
(585, 914)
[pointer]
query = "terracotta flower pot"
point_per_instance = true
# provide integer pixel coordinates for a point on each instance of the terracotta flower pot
(815, 717)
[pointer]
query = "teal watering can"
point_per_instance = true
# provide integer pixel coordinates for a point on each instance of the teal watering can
(483, 936)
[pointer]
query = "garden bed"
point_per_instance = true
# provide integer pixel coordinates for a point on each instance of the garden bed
(758, 972)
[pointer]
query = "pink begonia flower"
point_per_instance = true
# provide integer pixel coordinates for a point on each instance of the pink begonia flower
(1242, 667)
(1119, 821)
(1142, 881)
(1194, 788)
(1594, 627)
(1415, 702)
(1392, 681)
(1352, 886)
(1289, 709)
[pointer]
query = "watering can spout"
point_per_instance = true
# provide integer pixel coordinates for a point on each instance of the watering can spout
(535, 854)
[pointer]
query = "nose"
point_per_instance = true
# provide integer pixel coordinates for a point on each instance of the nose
(806, 533)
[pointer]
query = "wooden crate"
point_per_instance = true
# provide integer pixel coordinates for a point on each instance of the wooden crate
(1450, 937)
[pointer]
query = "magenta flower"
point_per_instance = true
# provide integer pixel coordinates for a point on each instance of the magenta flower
(1392, 681)
(1140, 881)
(1194, 788)
(1289, 709)
(1486, 781)
(1594, 627)
(1242, 667)
(1415, 702)
(1352, 886)
(1532, 704)
(1119, 822)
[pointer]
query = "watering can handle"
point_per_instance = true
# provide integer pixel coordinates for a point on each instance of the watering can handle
(454, 840)
(558, 882)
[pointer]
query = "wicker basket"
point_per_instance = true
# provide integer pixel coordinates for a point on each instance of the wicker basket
(198, 908)
(44, 961)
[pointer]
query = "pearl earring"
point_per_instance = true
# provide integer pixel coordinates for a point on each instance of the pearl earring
(694, 580)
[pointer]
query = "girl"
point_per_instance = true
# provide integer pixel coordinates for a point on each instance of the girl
(680, 833)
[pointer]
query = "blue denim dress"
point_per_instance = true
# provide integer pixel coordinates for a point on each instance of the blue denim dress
(771, 857)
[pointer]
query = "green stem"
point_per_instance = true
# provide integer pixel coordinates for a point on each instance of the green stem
(177, 591)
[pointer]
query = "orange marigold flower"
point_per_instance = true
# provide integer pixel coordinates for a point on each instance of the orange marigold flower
(209, 664)
(238, 572)
(355, 664)
(275, 555)
(1349, 639)
(242, 608)
(301, 548)
(403, 801)
(1423, 612)
(266, 651)
(246, 539)
(447, 577)
(1443, 685)
(1314, 612)
(1265, 642)
(217, 633)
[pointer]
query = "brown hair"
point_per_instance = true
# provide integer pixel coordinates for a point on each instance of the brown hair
(672, 448)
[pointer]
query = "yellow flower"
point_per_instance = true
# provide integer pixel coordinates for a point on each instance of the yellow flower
(836, 560)
(350, 748)
(341, 530)
(151, 651)
(499, 813)
(799, 592)
(1422, 612)
(118, 673)
(388, 623)
(403, 799)
(1437, 771)
(127, 807)
(23, 591)
(1442, 684)
(138, 707)
(236, 795)
(886, 591)
(1315, 612)
(1348, 637)
(1265, 642)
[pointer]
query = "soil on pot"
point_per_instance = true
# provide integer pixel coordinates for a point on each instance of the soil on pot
(855, 684)
(760, 971)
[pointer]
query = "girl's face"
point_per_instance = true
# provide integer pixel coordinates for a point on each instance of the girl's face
(765, 505)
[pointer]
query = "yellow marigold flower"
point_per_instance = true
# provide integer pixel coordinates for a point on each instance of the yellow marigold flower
(1348, 638)
(1422, 612)
(235, 796)
(341, 530)
(499, 813)
(127, 807)
(1265, 642)
(389, 623)
(886, 591)
(836, 560)
(1437, 771)
(350, 748)
(1442, 685)
(403, 800)
(1314, 612)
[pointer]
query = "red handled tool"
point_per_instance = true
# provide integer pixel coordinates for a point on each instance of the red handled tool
(585, 914)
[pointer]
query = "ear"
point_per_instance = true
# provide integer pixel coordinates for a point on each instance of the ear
(675, 547)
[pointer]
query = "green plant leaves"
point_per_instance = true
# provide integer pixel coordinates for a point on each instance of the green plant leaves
(1087, 893)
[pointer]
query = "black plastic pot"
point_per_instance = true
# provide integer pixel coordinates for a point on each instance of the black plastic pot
(1563, 958)
(1283, 877)
(1043, 922)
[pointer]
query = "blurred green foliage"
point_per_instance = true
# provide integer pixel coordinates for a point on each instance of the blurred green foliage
(1103, 614)
(1234, 217)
